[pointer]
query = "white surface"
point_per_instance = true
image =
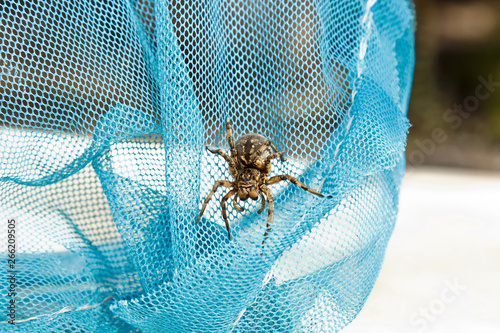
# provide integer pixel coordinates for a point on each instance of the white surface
(447, 233)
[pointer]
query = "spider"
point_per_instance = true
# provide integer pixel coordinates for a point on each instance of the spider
(250, 165)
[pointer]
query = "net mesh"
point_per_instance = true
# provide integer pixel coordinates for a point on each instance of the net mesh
(105, 110)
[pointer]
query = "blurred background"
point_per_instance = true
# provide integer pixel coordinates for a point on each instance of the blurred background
(442, 267)
(457, 50)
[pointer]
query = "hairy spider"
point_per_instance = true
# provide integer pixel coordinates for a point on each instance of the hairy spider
(250, 165)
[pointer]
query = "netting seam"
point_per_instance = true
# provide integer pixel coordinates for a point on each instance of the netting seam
(63, 310)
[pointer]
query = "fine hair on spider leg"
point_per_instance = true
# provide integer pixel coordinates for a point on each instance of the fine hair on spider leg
(250, 165)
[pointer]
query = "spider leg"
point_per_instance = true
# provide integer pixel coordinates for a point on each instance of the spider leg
(230, 140)
(229, 160)
(275, 155)
(220, 152)
(263, 205)
(235, 204)
(276, 179)
(224, 212)
(224, 183)
(277, 151)
(270, 213)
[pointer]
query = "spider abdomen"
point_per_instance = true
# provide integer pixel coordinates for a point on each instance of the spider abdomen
(249, 156)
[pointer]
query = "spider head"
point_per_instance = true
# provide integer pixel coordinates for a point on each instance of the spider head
(247, 184)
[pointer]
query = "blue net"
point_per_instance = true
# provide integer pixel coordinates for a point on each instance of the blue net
(105, 110)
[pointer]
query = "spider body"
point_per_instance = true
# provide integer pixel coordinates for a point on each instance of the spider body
(248, 144)
(250, 165)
